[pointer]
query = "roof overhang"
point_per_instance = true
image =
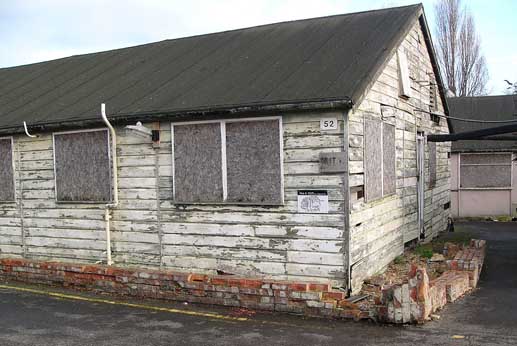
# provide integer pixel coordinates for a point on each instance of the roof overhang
(226, 111)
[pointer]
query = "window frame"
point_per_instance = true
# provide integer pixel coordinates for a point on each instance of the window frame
(510, 187)
(383, 195)
(224, 172)
(110, 159)
(14, 170)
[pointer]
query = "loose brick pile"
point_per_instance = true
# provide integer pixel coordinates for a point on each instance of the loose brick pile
(416, 299)
(468, 259)
(311, 299)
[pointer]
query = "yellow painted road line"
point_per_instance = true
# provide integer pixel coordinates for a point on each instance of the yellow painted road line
(220, 317)
(132, 305)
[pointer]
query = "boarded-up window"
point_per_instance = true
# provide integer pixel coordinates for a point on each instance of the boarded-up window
(404, 81)
(83, 167)
(373, 159)
(228, 161)
(6, 170)
(379, 159)
(253, 162)
(485, 170)
(388, 153)
(197, 163)
(432, 163)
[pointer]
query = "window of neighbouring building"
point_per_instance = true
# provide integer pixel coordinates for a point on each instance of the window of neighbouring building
(490, 170)
(82, 166)
(379, 159)
(228, 161)
(7, 193)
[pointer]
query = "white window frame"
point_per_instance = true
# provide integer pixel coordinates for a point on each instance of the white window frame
(54, 134)
(224, 172)
(14, 169)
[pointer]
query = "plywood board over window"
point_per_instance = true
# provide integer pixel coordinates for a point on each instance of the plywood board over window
(404, 80)
(432, 163)
(388, 156)
(486, 170)
(82, 166)
(197, 163)
(253, 162)
(7, 193)
(373, 158)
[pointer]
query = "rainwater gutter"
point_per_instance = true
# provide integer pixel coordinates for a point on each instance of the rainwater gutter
(115, 201)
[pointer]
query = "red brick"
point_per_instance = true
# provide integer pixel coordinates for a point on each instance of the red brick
(319, 287)
(347, 305)
(217, 280)
(334, 295)
(196, 277)
(251, 284)
(299, 287)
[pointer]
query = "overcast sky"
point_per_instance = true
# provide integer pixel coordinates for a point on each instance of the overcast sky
(38, 30)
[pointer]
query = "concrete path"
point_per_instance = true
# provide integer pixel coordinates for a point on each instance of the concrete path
(33, 316)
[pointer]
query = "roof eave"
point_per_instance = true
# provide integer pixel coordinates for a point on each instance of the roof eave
(227, 111)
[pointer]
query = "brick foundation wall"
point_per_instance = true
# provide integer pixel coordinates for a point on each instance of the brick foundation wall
(311, 299)
(415, 300)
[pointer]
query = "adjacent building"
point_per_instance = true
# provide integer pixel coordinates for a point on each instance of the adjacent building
(484, 172)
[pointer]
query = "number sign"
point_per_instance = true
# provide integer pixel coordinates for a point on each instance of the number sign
(327, 124)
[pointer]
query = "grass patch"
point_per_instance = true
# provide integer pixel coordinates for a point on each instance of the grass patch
(504, 218)
(399, 259)
(424, 250)
(459, 236)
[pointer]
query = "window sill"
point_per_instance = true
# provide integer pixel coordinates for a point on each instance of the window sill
(84, 202)
(227, 204)
(509, 188)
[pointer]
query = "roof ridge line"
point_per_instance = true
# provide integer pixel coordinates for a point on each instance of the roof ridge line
(221, 32)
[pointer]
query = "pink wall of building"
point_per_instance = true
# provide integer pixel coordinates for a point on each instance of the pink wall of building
(479, 202)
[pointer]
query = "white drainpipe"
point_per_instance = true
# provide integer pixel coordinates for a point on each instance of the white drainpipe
(114, 204)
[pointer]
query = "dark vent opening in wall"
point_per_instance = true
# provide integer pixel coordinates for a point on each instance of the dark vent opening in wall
(360, 192)
(447, 205)
(435, 118)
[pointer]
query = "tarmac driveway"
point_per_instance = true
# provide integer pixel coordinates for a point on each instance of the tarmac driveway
(33, 316)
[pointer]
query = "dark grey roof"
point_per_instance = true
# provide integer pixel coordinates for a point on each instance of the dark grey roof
(503, 107)
(320, 59)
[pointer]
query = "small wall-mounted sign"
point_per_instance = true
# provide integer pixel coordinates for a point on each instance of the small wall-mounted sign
(313, 201)
(327, 124)
(333, 162)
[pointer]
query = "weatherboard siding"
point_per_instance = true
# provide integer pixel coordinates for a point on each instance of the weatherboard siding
(379, 229)
(149, 230)
(10, 221)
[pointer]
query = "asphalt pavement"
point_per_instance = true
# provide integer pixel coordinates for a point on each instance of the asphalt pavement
(31, 315)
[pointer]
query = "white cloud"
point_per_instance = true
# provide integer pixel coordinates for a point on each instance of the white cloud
(36, 31)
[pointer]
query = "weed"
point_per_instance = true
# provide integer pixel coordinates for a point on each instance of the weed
(399, 260)
(424, 250)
